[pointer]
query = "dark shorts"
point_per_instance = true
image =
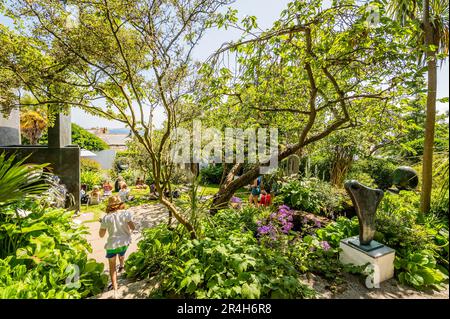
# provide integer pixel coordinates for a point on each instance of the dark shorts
(256, 191)
(110, 253)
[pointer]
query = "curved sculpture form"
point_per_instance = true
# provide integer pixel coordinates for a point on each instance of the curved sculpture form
(366, 202)
(405, 178)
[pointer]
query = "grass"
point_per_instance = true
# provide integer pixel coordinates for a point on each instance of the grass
(141, 194)
(99, 210)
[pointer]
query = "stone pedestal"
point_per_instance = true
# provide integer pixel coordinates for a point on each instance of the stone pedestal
(381, 258)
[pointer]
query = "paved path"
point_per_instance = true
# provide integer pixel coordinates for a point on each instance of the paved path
(144, 216)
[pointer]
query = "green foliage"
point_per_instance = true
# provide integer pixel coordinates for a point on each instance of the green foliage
(227, 263)
(82, 138)
(379, 169)
(89, 165)
(342, 228)
(212, 174)
(91, 178)
(87, 140)
(313, 195)
(421, 248)
(419, 269)
(19, 180)
(43, 254)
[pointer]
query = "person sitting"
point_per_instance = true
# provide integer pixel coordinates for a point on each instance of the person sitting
(140, 183)
(107, 189)
(124, 193)
(266, 199)
(153, 193)
(94, 196)
(118, 184)
(84, 197)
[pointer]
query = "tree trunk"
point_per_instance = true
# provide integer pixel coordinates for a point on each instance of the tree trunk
(174, 211)
(427, 163)
(231, 185)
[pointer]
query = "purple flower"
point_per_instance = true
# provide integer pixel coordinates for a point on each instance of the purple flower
(317, 223)
(287, 227)
(263, 230)
(236, 200)
(284, 207)
(325, 245)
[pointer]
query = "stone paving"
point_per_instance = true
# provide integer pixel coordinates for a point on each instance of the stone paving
(144, 216)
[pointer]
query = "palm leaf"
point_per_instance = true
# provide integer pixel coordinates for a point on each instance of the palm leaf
(19, 181)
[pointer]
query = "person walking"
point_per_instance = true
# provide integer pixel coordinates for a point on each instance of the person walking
(119, 225)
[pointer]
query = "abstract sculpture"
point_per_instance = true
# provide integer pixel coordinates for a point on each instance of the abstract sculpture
(366, 201)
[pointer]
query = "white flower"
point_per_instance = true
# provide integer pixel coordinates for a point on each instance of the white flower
(23, 213)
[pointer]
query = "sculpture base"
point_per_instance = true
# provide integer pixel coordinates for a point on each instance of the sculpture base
(371, 246)
(381, 258)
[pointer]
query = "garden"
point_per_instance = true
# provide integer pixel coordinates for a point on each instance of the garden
(342, 99)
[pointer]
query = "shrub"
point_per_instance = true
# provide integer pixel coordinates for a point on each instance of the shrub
(227, 262)
(82, 138)
(314, 196)
(380, 171)
(91, 179)
(43, 252)
(421, 249)
(211, 174)
(89, 165)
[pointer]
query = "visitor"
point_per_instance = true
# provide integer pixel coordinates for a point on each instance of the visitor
(255, 191)
(266, 199)
(107, 189)
(84, 197)
(153, 189)
(118, 183)
(94, 197)
(140, 184)
(124, 193)
(153, 193)
(118, 222)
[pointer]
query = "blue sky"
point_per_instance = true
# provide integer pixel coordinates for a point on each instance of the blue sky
(267, 11)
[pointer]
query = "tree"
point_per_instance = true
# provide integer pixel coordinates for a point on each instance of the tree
(315, 72)
(133, 56)
(432, 39)
(32, 125)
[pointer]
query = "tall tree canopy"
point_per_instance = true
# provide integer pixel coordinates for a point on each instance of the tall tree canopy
(314, 72)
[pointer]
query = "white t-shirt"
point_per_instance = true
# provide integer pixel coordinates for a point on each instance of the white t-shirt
(123, 194)
(119, 233)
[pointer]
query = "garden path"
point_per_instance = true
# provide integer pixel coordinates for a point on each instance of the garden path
(144, 216)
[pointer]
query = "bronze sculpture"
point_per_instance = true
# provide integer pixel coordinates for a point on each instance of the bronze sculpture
(366, 201)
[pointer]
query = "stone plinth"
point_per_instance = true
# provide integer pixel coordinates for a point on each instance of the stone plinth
(381, 258)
